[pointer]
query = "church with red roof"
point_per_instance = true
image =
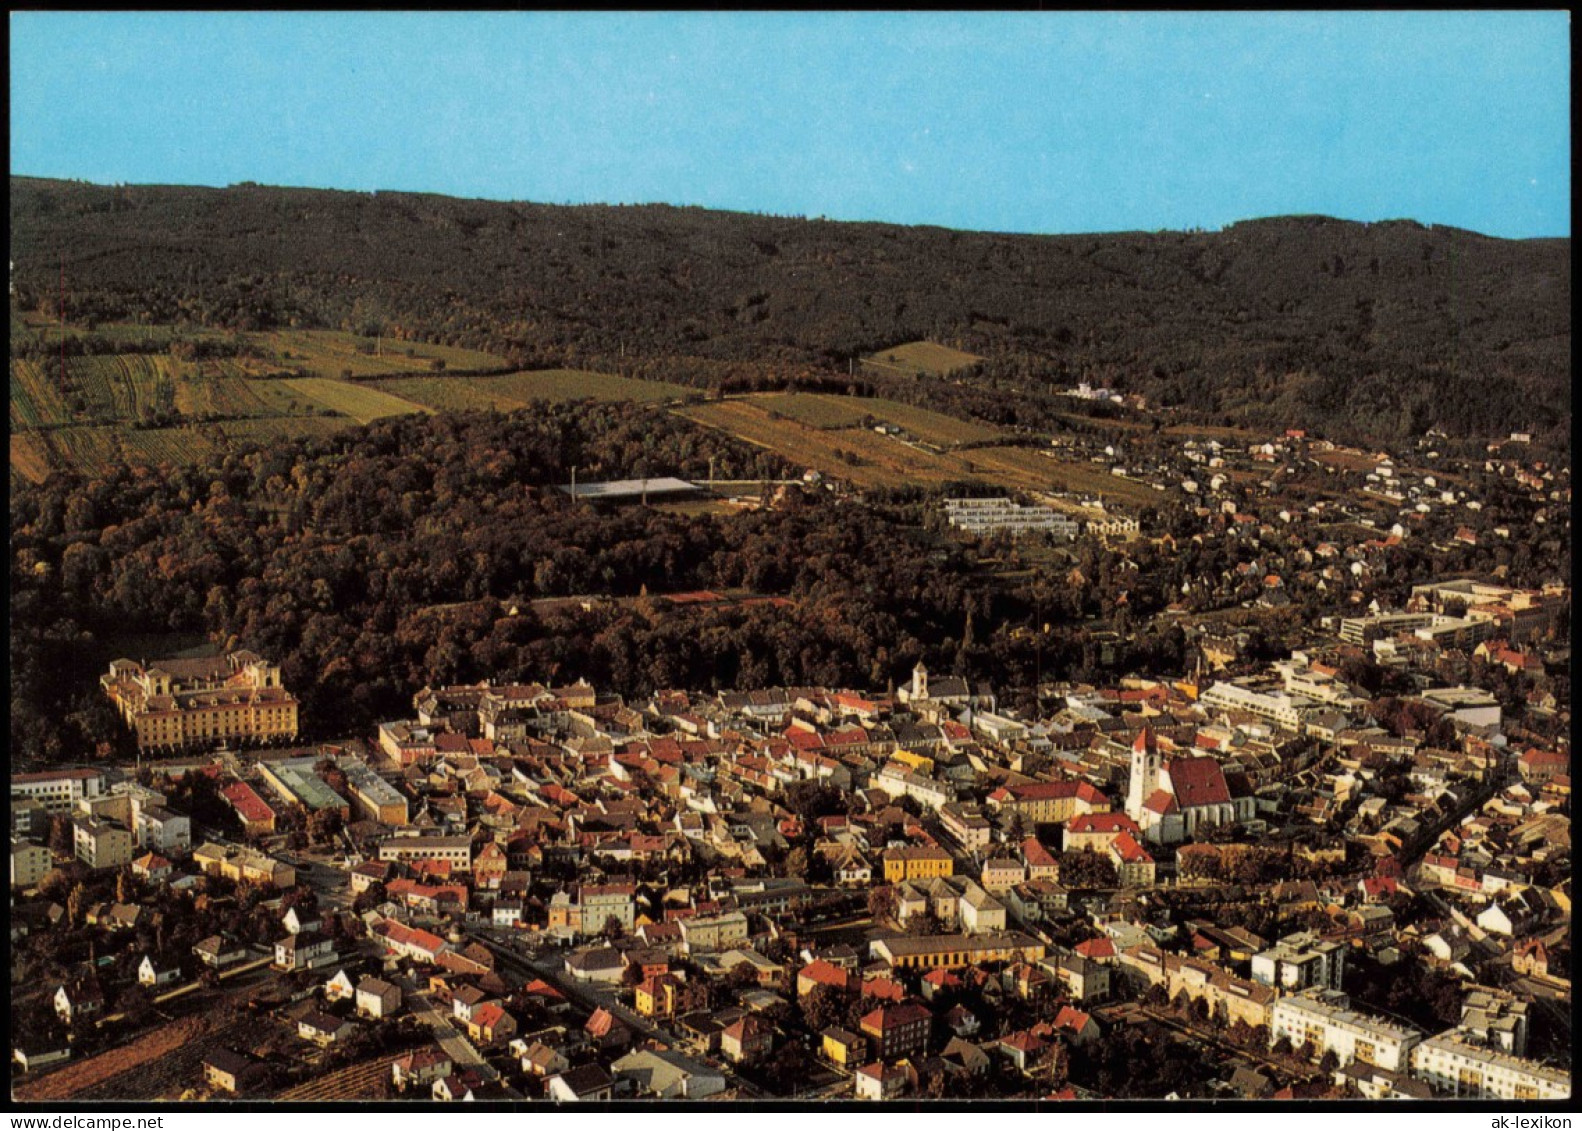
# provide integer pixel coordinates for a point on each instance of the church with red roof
(1172, 798)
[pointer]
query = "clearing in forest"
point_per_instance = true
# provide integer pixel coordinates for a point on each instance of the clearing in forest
(921, 358)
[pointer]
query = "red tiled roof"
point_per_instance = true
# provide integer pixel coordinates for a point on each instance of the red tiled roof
(1073, 1019)
(246, 802)
(888, 1017)
(1095, 949)
(1055, 791)
(1127, 848)
(1103, 823)
(824, 973)
(1198, 781)
(1036, 854)
(1160, 801)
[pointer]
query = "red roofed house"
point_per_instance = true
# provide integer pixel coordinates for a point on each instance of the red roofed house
(1132, 863)
(490, 1024)
(1543, 765)
(1079, 1027)
(1041, 863)
(1096, 950)
(896, 1031)
(1049, 802)
(750, 1038)
(820, 973)
(1097, 830)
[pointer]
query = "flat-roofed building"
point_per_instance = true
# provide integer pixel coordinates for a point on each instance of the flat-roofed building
(1299, 961)
(58, 790)
(1452, 1065)
(30, 863)
(297, 783)
(158, 828)
(374, 797)
(631, 490)
(1324, 1019)
(100, 844)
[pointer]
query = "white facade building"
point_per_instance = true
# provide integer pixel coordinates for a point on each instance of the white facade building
(1324, 1018)
(1468, 1071)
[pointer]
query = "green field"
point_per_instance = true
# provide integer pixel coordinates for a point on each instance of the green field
(35, 394)
(927, 358)
(1031, 469)
(78, 414)
(331, 353)
(360, 402)
(816, 410)
(514, 390)
(828, 411)
(174, 446)
(858, 455)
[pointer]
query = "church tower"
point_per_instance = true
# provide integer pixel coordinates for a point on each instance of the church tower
(920, 681)
(1145, 774)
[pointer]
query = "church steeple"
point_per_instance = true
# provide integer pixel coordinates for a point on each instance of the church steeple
(1144, 773)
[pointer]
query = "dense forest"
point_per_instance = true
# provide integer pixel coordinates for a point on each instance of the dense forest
(1381, 330)
(412, 550)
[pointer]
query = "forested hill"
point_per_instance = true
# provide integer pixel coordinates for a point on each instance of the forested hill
(1387, 328)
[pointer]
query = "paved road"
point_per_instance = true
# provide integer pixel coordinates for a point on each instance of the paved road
(456, 1046)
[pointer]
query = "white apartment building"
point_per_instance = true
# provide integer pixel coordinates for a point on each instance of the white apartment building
(58, 790)
(995, 516)
(1324, 1017)
(1468, 1071)
(1299, 961)
(1278, 707)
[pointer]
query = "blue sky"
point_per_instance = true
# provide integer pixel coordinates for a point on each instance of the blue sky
(1027, 122)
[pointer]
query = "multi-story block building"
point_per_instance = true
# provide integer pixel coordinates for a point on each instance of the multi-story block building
(897, 1031)
(588, 908)
(30, 862)
(1323, 1019)
(1455, 1066)
(165, 832)
(918, 862)
(100, 844)
(1299, 961)
(1236, 998)
(972, 830)
(703, 933)
(1050, 802)
(454, 850)
(58, 790)
(180, 703)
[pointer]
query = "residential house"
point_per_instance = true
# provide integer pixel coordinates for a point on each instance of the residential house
(588, 1083)
(749, 1039)
(377, 998)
